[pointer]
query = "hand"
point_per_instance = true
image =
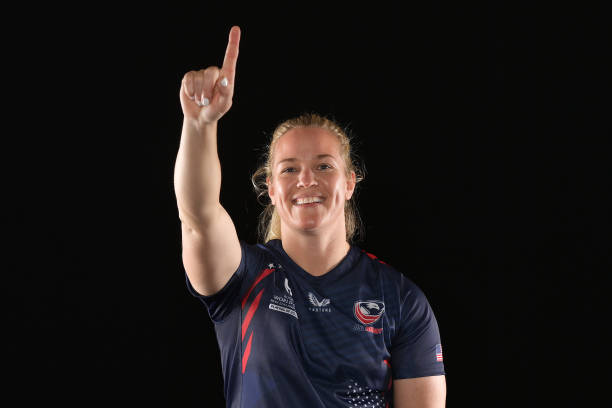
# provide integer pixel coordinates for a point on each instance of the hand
(206, 95)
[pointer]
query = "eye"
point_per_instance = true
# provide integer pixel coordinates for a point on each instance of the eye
(288, 170)
(325, 166)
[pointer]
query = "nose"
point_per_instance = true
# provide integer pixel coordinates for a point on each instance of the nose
(306, 178)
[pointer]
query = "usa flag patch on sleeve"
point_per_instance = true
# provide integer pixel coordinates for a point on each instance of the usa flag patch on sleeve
(438, 352)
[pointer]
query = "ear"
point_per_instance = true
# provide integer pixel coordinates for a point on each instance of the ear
(350, 185)
(270, 189)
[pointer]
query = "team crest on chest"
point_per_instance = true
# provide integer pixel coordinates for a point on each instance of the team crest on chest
(368, 312)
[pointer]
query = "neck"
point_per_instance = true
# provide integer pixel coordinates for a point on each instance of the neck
(316, 253)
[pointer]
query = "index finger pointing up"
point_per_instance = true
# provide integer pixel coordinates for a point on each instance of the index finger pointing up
(231, 54)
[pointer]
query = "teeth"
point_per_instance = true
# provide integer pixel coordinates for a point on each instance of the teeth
(308, 200)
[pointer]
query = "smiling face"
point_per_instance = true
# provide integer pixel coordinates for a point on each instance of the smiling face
(309, 185)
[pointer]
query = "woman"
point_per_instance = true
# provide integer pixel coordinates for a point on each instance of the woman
(306, 319)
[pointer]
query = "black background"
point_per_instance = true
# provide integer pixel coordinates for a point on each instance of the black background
(483, 131)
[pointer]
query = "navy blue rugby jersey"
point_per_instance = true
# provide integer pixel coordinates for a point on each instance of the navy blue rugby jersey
(290, 339)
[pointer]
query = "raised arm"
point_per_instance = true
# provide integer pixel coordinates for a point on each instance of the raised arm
(211, 250)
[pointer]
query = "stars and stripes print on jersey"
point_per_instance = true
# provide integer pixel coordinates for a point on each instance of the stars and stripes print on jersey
(358, 396)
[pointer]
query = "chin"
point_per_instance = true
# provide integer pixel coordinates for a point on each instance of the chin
(308, 225)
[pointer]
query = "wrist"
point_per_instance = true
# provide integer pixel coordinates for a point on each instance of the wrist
(199, 125)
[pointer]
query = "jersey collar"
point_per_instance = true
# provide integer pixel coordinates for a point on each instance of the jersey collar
(345, 265)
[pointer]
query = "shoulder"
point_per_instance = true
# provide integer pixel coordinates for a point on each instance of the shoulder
(394, 279)
(262, 258)
(374, 263)
(255, 253)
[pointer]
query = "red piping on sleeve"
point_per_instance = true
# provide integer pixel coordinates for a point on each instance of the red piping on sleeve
(247, 353)
(250, 313)
(262, 275)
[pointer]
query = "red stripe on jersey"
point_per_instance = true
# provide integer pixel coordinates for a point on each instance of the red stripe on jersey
(370, 255)
(247, 353)
(391, 377)
(262, 275)
(250, 313)
(373, 256)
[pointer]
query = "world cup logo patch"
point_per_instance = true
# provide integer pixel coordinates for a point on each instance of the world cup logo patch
(369, 311)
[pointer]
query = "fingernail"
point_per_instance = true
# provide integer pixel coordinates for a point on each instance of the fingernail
(224, 82)
(205, 101)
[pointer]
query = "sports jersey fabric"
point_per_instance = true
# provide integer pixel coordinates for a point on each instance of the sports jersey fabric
(291, 339)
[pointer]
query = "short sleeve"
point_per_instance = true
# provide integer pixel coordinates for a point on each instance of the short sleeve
(416, 350)
(221, 304)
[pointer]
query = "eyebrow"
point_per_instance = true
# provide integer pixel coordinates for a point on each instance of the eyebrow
(292, 159)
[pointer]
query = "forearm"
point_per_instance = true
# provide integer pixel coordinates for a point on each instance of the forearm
(197, 173)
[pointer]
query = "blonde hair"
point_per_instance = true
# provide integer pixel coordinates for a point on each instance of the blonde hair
(269, 220)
